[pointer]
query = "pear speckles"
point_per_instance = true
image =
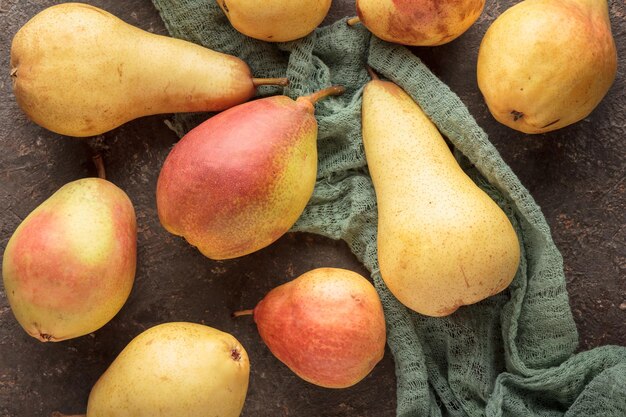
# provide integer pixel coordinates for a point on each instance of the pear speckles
(516, 115)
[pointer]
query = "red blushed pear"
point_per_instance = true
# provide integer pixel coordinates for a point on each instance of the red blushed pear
(240, 180)
(418, 22)
(70, 265)
(327, 326)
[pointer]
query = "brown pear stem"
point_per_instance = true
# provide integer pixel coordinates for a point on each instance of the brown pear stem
(372, 73)
(353, 21)
(99, 162)
(243, 313)
(57, 414)
(335, 90)
(14, 72)
(270, 81)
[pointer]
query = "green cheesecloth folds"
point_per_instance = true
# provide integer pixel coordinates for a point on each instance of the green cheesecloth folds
(510, 355)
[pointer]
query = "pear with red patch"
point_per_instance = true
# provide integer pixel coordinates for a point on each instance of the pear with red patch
(70, 265)
(327, 326)
(419, 22)
(240, 180)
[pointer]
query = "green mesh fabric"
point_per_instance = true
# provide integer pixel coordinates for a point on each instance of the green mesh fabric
(510, 355)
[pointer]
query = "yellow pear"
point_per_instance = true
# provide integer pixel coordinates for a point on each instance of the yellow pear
(275, 20)
(174, 369)
(546, 64)
(80, 71)
(442, 241)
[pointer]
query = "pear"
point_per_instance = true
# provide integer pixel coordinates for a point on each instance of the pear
(80, 71)
(275, 20)
(174, 369)
(418, 22)
(544, 64)
(70, 265)
(240, 180)
(327, 326)
(442, 241)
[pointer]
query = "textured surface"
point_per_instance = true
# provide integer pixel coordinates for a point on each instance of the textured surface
(576, 175)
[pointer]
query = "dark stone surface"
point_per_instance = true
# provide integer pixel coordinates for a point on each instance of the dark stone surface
(575, 174)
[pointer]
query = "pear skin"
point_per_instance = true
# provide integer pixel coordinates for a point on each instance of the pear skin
(419, 22)
(240, 180)
(442, 241)
(80, 71)
(543, 64)
(327, 326)
(174, 369)
(70, 265)
(275, 20)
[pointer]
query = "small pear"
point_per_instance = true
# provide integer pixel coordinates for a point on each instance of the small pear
(70, 265)
(327, 326)
(174, 369)
(442, 241)
(78, 70)
(240, 180)
(275, 20)
(546, 64)
(419, 22)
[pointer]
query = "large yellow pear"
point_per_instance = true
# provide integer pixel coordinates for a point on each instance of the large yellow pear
(545, 64)
(80, 71)
(174, 369)
(275, 20)
(442, 241)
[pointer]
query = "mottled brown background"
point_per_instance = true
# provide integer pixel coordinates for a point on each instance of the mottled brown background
(576, 175)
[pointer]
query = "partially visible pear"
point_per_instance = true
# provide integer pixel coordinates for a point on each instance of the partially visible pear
(327, 326)
(546, 64)
(70, 265)
(442, 241)
(275, 20)
(174, 369)
(78, 70)
(240, 180)
(419, 22)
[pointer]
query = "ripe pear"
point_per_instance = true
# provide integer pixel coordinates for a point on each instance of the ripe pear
(240, 180)
(327, 326)
(70, 265)
(275, 20)
(546, 64)
(442, 241)
(80, 71)
(419, 22)
(174, 369)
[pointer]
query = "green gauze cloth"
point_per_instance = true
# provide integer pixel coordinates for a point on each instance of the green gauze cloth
(510, 355)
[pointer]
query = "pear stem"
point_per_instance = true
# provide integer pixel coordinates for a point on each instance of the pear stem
(99, 162)
(353, 21)
(57, 414)
(335, 90)
(372, 73)
(243, 313)
(270, 81)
